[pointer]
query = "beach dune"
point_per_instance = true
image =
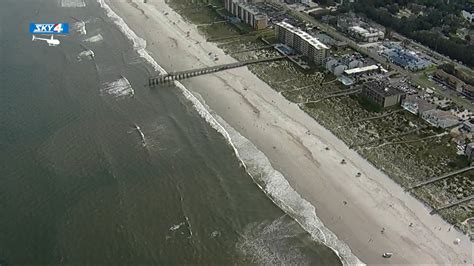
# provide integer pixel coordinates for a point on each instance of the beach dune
(371, 213)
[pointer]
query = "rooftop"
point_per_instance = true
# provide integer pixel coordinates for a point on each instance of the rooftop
(359, 29)
(313, 41)
(360, 69)
(441, 115)
(382, 88)
(251, 9)
(420, 103)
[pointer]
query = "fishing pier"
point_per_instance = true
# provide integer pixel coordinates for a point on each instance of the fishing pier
(179, 75)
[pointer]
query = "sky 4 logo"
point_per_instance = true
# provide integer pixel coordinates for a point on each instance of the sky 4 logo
(49, 28)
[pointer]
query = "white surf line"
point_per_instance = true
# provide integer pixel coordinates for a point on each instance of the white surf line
(142, 136)
(176, 226)
(309, 221)
(139, 44)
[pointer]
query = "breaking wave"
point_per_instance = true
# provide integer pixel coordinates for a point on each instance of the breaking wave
(95, 38)
(262, 243)
(89, 54)
(139, 44)
(257, 165)
(80, 27)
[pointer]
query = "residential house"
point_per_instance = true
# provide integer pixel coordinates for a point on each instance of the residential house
(440, 118)
(468, 125)
(416, 105)
(468, 90)
(448, 79)
(469, 151)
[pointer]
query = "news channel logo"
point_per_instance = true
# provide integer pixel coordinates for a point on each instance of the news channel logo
(49, 28)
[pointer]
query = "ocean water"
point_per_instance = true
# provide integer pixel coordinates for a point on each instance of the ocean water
(98, 168)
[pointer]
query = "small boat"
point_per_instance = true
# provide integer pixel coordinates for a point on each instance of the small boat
(387, 255)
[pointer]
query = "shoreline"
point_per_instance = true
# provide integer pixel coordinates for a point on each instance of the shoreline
(279, 129)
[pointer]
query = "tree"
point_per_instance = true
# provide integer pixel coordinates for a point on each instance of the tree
(448, 68)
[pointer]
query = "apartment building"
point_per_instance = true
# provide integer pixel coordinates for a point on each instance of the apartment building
(302, 42)
(245, 11)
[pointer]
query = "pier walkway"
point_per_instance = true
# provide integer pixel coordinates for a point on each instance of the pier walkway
(179, 75)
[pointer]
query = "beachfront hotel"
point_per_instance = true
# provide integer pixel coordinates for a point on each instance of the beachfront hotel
(302, 42)
(249, 14)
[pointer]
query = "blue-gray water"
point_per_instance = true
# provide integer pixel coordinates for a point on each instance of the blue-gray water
(78, 184)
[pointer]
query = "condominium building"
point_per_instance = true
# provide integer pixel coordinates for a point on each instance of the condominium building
(302, 42)
(382, 93)
(247, 13)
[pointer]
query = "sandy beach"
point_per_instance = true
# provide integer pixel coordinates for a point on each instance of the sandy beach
(356, 209)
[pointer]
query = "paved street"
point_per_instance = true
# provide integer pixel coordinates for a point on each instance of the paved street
(417, 78)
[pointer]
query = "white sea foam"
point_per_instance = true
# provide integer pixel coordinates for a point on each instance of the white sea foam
(139, 44)
(89, 54)
(274, 184)
(95, 38)
(215, 234)
(80, 27)
(255, 162)
(73, 3)
(118, 88)
(176, 226)
(268, 243)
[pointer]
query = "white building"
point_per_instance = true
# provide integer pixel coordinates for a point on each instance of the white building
(302, 42)
(341, 65)
(247, 13)
(468, 16)
(366, 35)
(352, 72)
(468, 125)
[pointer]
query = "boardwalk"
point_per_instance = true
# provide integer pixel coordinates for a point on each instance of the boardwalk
(388, 137)
(452, 204)
(441, 177)
(171, 76)
(332, 95)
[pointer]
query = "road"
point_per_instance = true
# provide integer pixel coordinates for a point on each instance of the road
(416, 78)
